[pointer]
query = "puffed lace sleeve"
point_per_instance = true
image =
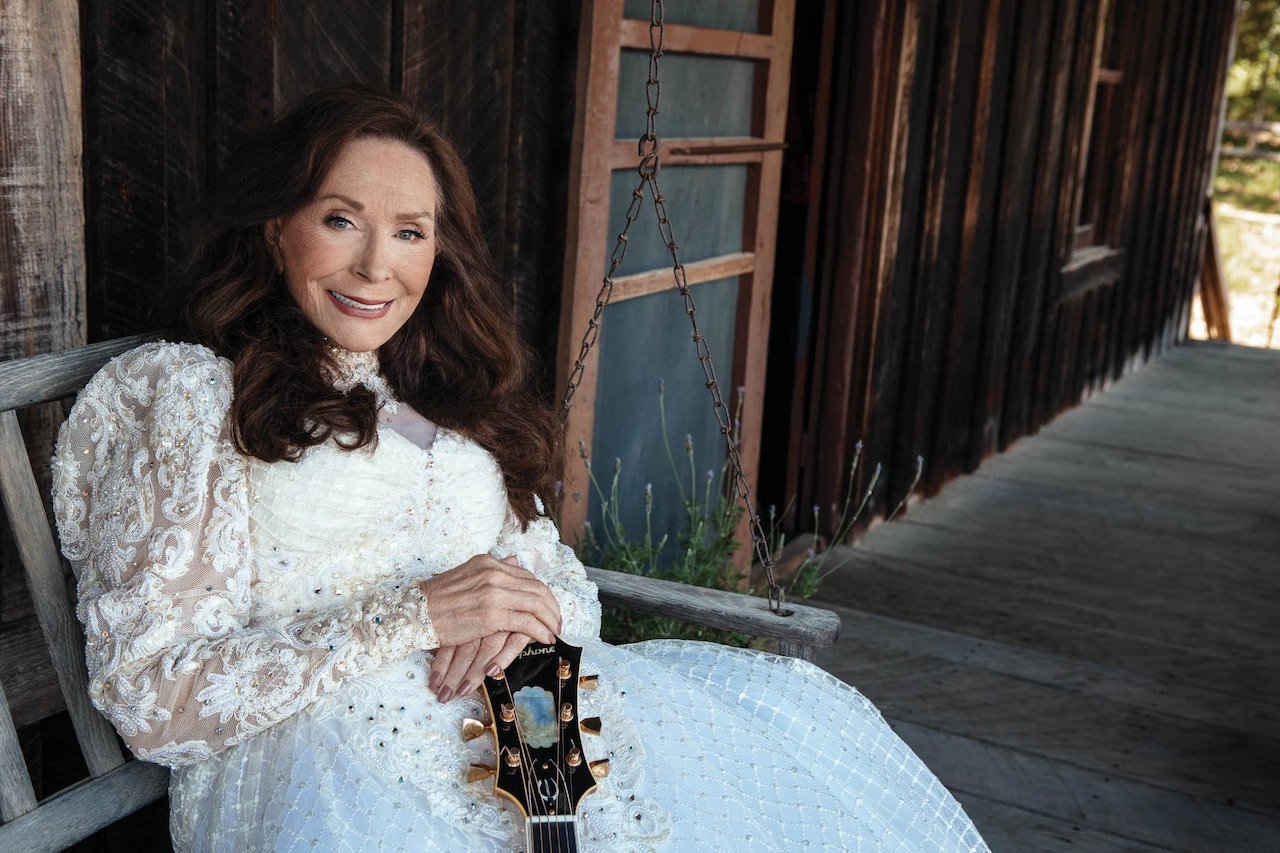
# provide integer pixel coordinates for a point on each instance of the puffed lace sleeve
(150, 499)
(540, 550)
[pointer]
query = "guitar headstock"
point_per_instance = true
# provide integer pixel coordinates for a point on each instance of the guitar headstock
(533, 709)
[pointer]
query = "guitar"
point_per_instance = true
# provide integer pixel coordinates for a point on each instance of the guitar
(533, 713)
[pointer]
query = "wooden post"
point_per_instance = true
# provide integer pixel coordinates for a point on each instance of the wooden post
(42, 271)
(41, 187)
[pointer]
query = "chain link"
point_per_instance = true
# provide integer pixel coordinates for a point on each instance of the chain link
(650, 162)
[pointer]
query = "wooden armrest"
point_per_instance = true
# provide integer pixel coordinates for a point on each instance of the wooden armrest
(805, 627)
(77, 812)
(40, 378)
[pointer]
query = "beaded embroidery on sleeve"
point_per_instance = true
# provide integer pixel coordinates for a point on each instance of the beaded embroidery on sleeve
(151, 506)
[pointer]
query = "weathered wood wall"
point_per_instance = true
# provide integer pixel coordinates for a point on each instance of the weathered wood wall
(932, 303)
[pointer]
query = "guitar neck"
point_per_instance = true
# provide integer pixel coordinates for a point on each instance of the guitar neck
(552, 834)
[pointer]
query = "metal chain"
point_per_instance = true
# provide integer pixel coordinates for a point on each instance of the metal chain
(647, 149)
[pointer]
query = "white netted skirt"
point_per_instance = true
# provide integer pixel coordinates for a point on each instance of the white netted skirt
(710, 748)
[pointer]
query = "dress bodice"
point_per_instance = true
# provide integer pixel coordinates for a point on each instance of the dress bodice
(331, 525)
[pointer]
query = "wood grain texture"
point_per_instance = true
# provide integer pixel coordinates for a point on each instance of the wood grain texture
(17, 796)
(731, 611)
(83, 809)
(44, 378)
(42, 263)
(321, 43)
(144, 80)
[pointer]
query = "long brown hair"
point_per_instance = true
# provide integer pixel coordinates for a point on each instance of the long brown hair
(458, 359)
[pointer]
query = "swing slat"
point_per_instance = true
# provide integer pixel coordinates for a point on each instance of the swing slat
(799, 634)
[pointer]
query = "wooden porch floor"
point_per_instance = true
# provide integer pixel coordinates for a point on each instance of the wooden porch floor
(1081, 637)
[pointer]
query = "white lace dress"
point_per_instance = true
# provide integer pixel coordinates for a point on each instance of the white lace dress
(255, 627)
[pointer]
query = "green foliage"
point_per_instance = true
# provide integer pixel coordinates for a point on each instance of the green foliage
(1253, 86)
(1248, 184)
(705, 546)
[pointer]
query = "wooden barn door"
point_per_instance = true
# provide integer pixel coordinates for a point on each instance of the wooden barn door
(724, 79)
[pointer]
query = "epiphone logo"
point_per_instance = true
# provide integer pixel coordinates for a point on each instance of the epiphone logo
(545, 650)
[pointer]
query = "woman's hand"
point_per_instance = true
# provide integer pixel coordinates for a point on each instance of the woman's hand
(485, 611)
(457, 670)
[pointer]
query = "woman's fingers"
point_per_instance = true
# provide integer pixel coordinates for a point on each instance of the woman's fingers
(451, 681)
(510, 650)
(439, 666)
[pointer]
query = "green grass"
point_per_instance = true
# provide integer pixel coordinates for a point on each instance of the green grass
(1249, 185)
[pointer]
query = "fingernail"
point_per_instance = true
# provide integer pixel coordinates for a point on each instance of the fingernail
(493, 671)
(434, 681)
(445, 695)
(466, 688)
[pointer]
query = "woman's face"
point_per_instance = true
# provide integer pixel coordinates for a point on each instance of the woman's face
(357, 257)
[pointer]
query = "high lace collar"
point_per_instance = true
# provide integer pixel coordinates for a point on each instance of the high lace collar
(360, 368)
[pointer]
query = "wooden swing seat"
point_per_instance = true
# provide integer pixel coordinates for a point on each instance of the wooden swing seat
(117, 785)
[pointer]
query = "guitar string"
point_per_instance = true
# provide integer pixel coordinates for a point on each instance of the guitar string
(532, 795)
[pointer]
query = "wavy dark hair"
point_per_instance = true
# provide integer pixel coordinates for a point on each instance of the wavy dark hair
(457, 359)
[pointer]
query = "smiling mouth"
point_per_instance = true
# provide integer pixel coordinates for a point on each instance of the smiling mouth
(359, 306)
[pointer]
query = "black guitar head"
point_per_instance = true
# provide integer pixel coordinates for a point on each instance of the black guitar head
(537, 730)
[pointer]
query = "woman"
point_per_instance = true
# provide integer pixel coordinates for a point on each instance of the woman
(304, 534)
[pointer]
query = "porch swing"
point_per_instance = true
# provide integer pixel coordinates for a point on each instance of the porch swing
(117, 787)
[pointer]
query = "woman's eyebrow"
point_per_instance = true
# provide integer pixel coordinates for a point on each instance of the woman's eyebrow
(358, 207)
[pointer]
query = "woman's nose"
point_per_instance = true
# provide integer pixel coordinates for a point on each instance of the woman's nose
(371, 262)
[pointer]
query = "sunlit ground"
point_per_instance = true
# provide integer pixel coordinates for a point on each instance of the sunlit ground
(1247, 213)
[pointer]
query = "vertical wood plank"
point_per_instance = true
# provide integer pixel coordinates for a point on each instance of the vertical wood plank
(585, 234)
(1033, 312)
(42, 261)
(760, 229)
(1035, 28)
(961, 394)
(321, 43)
(898, 252)
(241, 74)
(933, 292)
(42, 265)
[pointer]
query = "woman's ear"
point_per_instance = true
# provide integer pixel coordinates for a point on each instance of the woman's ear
(271, 233)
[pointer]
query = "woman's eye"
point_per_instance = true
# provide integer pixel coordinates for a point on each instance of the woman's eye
(339, 222)
(410, 234)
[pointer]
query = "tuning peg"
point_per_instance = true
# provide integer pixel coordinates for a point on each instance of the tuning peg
(513, 757)
(478, 773)
(574, 758)
(590, 725)
(566, 712)
(473, 728)
(599, 769)
(564, 670)
(591, 682)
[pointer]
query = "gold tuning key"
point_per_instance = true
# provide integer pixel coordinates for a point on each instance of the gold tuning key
(473, 728)
(599, 769)
(478, 773)
(574, 758)
(565, 669)
(591, 682)
(590, 725)
(566, 713)
(513, 757)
